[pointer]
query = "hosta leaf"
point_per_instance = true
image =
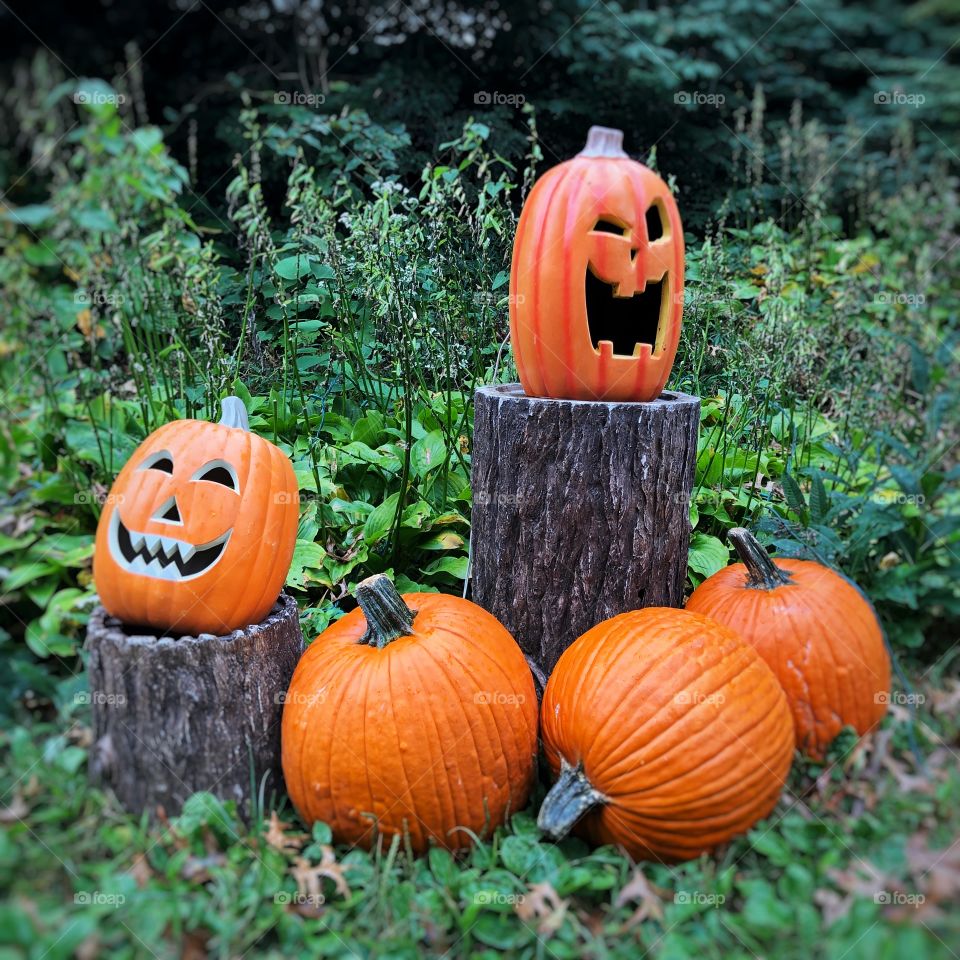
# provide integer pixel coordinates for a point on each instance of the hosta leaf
(707, 555)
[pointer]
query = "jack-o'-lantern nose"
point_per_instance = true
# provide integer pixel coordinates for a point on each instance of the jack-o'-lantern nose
(168, 512)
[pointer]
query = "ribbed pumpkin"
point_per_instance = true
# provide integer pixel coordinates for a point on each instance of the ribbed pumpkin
(199, 528)
(667, 734)
(814, 628)
(597, 278)
(411, 715)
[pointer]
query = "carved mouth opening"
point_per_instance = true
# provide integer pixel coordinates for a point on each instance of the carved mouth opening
(625, 322)
(164, 558)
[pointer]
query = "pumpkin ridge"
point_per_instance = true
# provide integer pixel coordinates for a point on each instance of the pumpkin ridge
(612, 645)
(698, 766)
(274, 507)
(649, 677)
(438, 755)
(536, 278)
(475, 776)
(762, 711)
(406, 797)
(457, 819)
(282, 558)
(509, 684)
(568, 255)
(346, 688)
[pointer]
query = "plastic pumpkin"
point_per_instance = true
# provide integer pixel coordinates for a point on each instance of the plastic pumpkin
(815, 629)
(597, 278)
(412, 715)
(667, 734)
(199, 528)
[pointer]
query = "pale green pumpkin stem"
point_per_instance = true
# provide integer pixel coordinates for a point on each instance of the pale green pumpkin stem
(764, 574)
(388, 617)
(567, 801)
(234, 414)
(603, 142)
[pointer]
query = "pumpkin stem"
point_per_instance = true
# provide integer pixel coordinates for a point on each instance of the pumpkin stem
(388, 617)
(603, 142)
(763, 573)
(234, 414)
(567, 801)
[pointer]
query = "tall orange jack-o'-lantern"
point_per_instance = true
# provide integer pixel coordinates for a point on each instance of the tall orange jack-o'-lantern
(597, 279)
(199, 528)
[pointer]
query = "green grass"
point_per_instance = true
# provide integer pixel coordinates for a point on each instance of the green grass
(859, 860)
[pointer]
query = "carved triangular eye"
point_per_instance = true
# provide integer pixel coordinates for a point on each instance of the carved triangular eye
(172, 514)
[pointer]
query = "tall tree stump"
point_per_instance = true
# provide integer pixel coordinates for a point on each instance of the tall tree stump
(580, 510)
(174, 715)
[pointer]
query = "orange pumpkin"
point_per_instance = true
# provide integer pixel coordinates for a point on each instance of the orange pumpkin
(198, 529)
(597, 278)
(667, 733)
(412, 715)
(814, 628)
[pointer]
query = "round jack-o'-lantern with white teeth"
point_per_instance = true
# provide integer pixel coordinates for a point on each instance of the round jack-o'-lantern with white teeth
(596, 285)
(199, 528)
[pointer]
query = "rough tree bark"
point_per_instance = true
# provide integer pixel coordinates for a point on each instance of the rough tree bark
(174, 715)
(580, 511)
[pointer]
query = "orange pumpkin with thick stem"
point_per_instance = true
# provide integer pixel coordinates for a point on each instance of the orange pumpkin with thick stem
(596, 285)
(412, 715)
(667, 734)
(815, 629)
(198, 530)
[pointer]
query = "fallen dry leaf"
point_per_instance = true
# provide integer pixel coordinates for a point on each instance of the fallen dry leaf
(279, 839)
(543, 905)
(649, 900)
(16, 810)
(308, 876)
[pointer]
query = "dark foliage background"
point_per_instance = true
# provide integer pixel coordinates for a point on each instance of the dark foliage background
(427, 64)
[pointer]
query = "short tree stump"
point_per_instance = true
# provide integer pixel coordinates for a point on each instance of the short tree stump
(580, 510)
(176, 715)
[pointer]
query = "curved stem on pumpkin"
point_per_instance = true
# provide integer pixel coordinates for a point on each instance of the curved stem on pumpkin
(603, 142)
(388, 617)
(567, 801)
(234, 414)
(763, 572)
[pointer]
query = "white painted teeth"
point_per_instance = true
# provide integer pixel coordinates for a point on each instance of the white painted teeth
(160, 557)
